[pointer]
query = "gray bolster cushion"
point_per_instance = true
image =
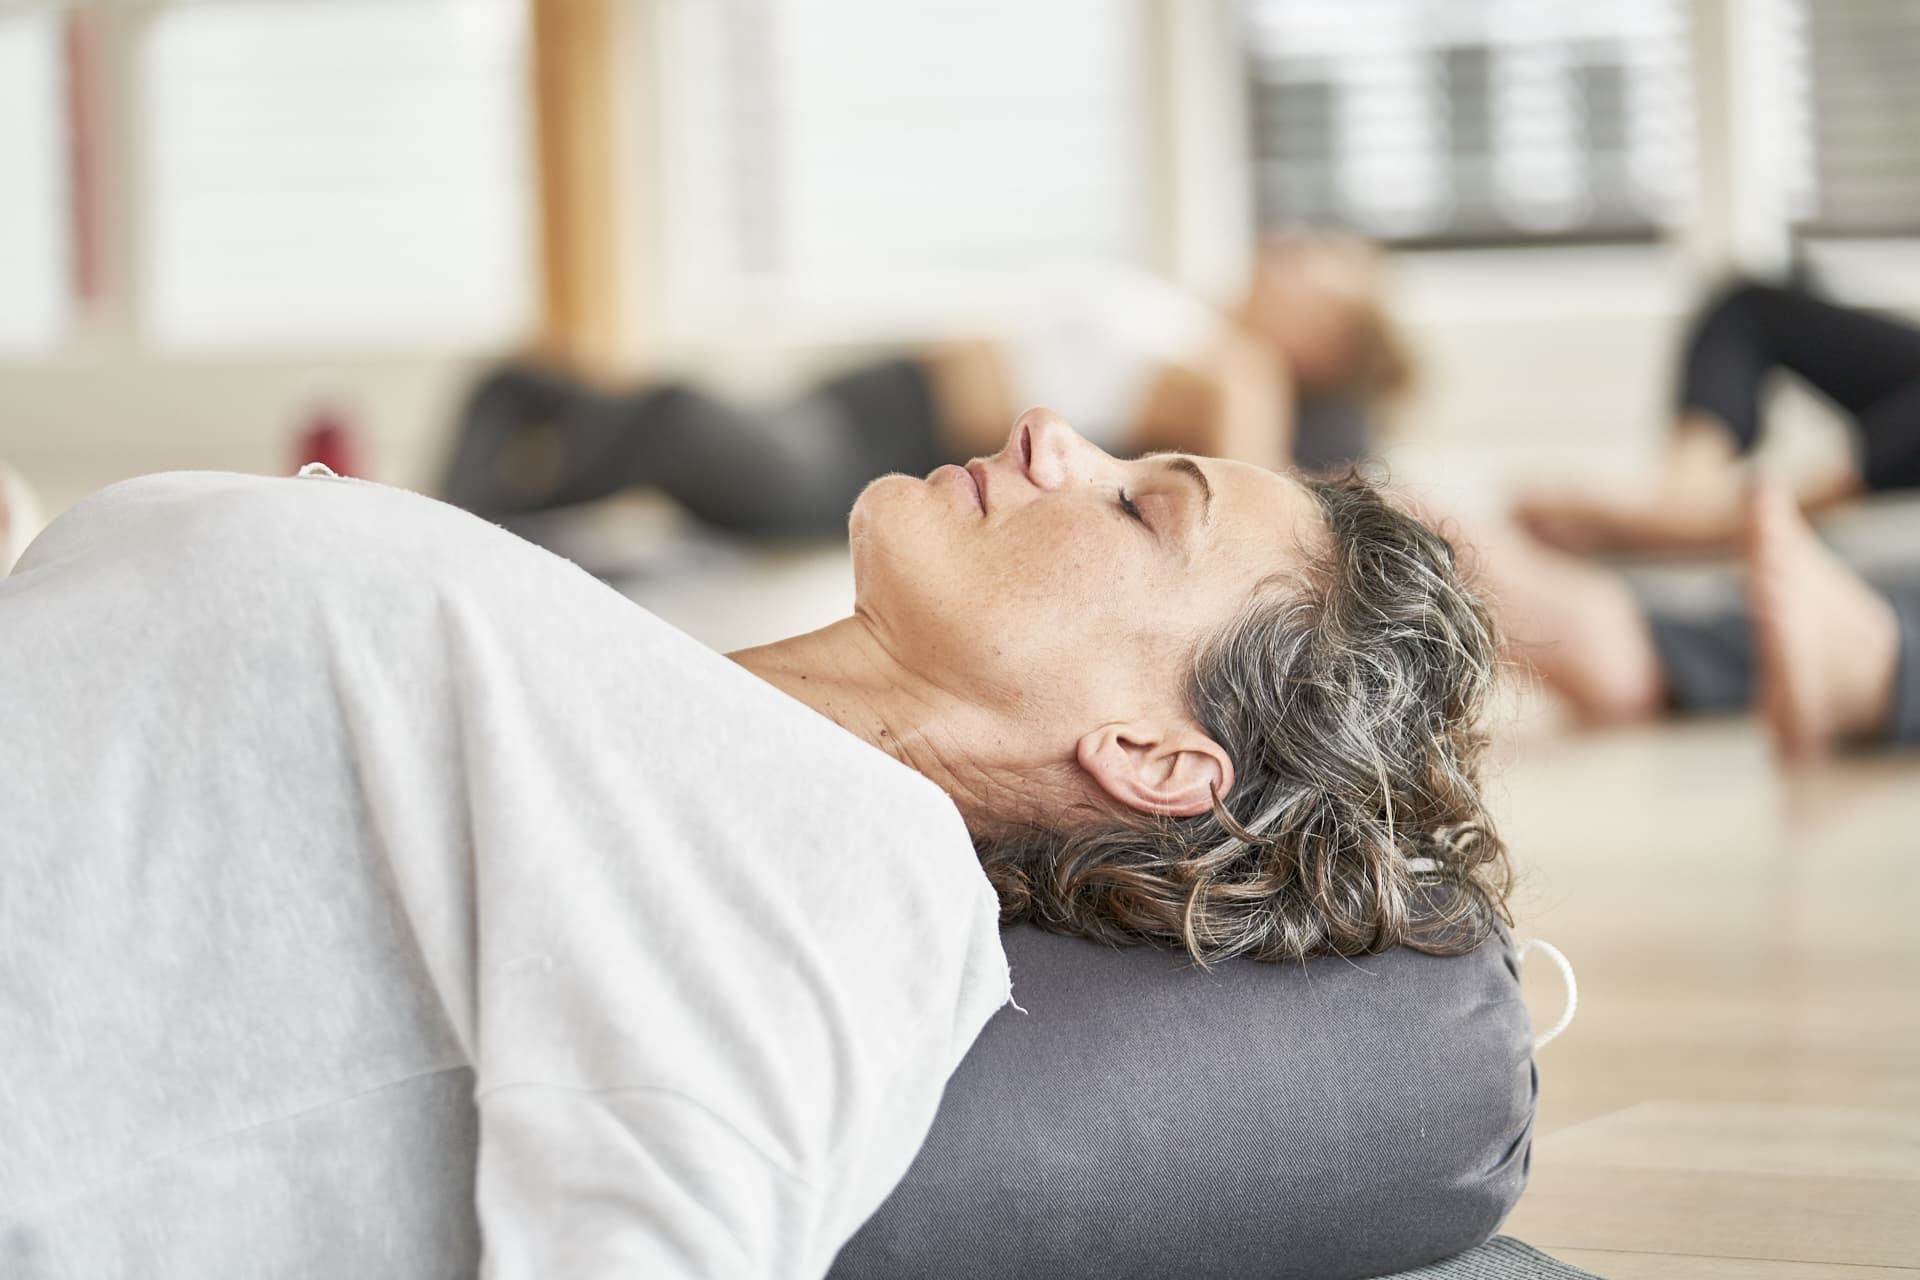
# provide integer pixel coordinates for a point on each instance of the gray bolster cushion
(1335, 1119)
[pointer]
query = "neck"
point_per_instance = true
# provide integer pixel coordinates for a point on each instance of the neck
(845, 672)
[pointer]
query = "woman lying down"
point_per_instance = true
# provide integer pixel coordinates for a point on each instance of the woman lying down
(379, 889)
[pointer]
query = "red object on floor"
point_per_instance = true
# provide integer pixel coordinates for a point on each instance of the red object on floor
(329, 439)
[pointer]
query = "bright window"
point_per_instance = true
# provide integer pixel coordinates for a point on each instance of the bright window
(35, 254)
(858, 147)
(1497, 121)
(1863, 68)
(346, 171)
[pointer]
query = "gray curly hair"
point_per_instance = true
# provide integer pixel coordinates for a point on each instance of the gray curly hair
(1350, 706)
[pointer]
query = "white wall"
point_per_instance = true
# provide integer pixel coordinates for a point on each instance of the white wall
(1539, 361)
(112, 400)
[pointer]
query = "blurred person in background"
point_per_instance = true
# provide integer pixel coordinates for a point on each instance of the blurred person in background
(1828, 657)
(1866, 364)
(1292, 372)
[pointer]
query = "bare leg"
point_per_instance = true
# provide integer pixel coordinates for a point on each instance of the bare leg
(1575, 625)
(972, 395)
(1693, 503)
(1828, 644)
(1235, 400)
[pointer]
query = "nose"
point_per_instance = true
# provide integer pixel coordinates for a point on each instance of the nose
(1049, 449)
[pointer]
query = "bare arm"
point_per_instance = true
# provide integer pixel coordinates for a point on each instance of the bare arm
(1234, 400)
(973, 398)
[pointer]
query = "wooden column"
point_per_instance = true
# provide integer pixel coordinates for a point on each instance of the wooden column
(573, 111)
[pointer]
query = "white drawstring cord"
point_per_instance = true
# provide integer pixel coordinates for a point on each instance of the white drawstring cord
(1565, 967)
(1423, 866)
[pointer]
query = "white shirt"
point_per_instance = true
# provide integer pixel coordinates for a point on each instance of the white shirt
(343, 829)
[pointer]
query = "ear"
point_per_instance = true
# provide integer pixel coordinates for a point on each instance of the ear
(1153, 771)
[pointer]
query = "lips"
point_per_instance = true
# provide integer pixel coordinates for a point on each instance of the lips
(977, 472)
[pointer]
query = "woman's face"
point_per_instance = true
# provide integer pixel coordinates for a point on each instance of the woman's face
(1066, 588)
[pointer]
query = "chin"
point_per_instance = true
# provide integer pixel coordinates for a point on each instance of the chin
(906, 552)
(888, 524)
(882, 504)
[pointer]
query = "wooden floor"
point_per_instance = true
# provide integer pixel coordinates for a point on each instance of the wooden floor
(1739, 1095)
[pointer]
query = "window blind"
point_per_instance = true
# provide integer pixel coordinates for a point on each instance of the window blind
(1863, 59)
(828, 146)
(35, 250)
(1470, 120)
(347, 171)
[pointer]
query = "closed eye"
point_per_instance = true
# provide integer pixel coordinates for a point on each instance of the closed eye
(1127, 505)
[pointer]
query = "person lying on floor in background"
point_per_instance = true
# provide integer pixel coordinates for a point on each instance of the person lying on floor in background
(1867, 364)
(694, 943)
(1292, 372)
(1829, 657)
